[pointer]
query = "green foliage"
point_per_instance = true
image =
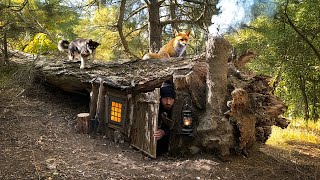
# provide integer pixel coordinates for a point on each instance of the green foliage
(40, 44)
(285, 55)
(101, 26)
(22, 22)
(95, 20)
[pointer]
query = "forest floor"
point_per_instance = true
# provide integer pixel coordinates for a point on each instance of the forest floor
(38, 140)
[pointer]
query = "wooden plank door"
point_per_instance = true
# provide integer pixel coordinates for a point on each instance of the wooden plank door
(145, 122)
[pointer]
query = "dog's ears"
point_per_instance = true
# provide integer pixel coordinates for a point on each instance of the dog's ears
(96, 44)
(89, 41)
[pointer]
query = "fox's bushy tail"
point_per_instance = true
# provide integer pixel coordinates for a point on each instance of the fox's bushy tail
(155, 56)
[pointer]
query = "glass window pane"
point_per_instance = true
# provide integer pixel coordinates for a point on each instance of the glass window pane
(115, 110)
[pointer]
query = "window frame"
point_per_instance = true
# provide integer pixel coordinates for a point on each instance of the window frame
(112, 97)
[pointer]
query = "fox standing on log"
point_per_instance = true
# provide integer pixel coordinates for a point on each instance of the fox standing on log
(174, 48)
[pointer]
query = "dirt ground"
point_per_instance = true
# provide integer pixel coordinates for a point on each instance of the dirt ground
(38, 140)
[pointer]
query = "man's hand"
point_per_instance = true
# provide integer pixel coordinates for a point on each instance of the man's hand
(158, 134)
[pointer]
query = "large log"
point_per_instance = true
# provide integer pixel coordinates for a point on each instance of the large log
(208, 80)
(215, 129)
(139, 76)
(265, 109)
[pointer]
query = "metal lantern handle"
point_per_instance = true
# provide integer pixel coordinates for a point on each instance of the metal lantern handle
(187, 104)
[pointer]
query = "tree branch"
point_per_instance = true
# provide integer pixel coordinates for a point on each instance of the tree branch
(136, 11)
(120, 29)
(199, 2)
(147, 2)
(295, 28)
(4, 25)
(160, 2)
(163, 23)
(137, 29)
(25, 2)
(191, 21)
(196, 2)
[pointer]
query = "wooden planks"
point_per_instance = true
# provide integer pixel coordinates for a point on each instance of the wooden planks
(145, 122)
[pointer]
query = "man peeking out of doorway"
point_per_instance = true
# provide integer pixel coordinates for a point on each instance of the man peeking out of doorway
(162, 134)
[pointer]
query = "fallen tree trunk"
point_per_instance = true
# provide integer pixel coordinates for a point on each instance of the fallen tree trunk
(210, 81)
(252, 100)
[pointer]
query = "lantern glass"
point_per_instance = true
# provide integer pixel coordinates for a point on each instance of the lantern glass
(187, 119)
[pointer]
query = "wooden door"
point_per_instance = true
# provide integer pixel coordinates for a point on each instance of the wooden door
(145, 122)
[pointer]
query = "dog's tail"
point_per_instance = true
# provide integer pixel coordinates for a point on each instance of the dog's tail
(63, 45)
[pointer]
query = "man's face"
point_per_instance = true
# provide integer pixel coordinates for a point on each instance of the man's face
(167, 102)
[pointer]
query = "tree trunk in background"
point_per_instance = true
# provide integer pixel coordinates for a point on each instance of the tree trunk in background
(120, 29)
(155, 28)
(315, 115)
(5, 49)
(302, 86)
(173, 15)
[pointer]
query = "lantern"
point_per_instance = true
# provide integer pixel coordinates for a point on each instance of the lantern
(186, 120)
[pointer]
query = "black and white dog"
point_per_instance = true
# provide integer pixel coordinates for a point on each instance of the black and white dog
(79, 49)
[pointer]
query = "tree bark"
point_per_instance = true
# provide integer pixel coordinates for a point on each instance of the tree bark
(93, 105)
(155, 28)
(315, 115)
(83, 120)
(120, 29)
(5, 48)
(103, 2)
(302, 87)
(244, 59)
(213, 125)
(173, 15)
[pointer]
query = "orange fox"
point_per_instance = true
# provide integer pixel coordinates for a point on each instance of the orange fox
(174, 48)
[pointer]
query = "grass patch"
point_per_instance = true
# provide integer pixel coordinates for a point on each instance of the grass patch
(15, 79)
(299, 143)
(6, 73)
(299, 130)
(21, 75)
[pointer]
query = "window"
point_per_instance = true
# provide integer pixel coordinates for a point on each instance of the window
(116, 111)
